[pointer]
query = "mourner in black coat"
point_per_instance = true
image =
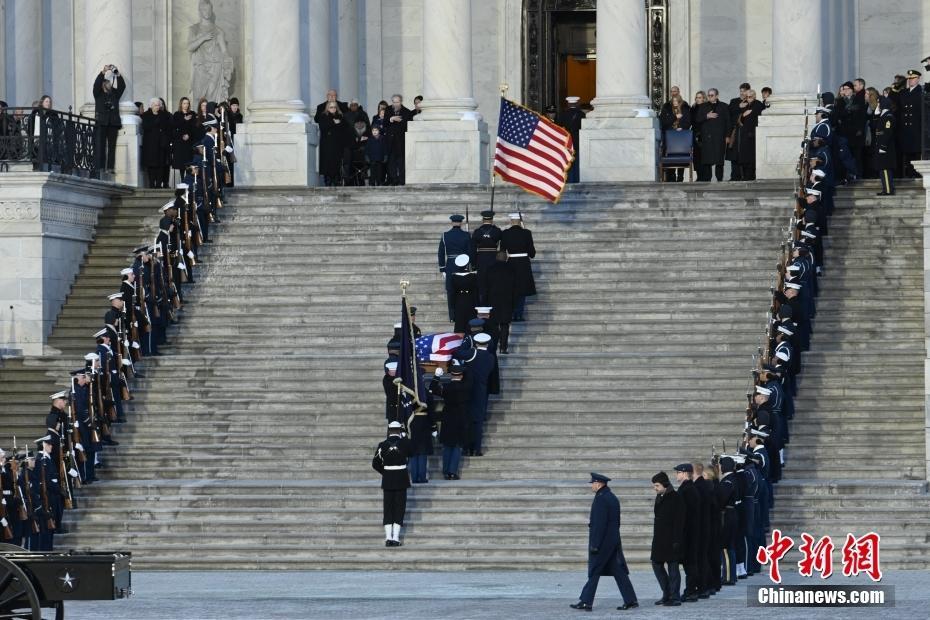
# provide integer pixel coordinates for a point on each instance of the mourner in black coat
(714, 120)
(184, 130)
(334, 136)
(605, 550)
(743, 144)
(693, 537)
(331, 97)
(108, 88)
(390, 461)
(454, 429)
(395, 128)
(710, 564)
(156, 143)
(668, 531)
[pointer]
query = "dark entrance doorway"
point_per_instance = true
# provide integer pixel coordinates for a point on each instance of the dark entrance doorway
(559, 52)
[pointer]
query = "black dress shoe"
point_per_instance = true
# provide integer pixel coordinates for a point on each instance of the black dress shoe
(626, 606)
(447, 476)
(703, 595)
(388, 543)
(691, 598)
(139, 375)
(504, 352)
(661, 601)
(672, 603)
(454, 477)
(580, 606)
(477, 453)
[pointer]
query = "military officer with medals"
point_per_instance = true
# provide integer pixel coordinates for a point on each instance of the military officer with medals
(910, 123)
(883, 144)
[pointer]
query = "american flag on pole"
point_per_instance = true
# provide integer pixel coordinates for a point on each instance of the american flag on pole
(532, 151)
(437, 347)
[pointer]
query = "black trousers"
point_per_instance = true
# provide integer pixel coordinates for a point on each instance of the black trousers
(743, 172)
(395, 505)
(694, 576)
(105, 147)
(886, 176)
(669, 578)
(704, 172)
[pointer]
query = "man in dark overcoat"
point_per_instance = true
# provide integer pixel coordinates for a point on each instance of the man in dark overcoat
(693, 537)
(668, 529)
(605, 551)
(714, 120)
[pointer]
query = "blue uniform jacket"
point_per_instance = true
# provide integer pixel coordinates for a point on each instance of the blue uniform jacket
(453, 242)
(605, 552)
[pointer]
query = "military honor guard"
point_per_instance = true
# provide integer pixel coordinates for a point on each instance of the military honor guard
(502, 299)
(485, 241)
(884, 144)
(605, 550)
(517, 241)
(465, 293)
(453, 243)
(909, 134)
(390, 461)
(455, 428)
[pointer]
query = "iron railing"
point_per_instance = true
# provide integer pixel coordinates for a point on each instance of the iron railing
(49, 140)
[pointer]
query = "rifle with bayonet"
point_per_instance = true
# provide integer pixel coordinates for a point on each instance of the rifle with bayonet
(4, 516)
(26, 512)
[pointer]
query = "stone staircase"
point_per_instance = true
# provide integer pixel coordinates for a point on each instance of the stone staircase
(249, 444)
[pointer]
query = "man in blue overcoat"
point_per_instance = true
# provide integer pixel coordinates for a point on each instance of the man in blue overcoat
(605, 552)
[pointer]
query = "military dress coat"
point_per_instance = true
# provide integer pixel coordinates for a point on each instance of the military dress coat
(519, 240)
(605, 550)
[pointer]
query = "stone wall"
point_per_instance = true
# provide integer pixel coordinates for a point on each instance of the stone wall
(46, 223)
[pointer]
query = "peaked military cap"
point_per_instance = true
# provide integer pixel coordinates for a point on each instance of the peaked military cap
(685, 467)
(595, 477)
(913, 73)
(457, 218)
(487, 214)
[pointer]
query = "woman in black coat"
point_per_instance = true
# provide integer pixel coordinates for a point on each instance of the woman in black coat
(156, 142)
(184, 128)
(334, 136)
(699, 100)
(744, 138)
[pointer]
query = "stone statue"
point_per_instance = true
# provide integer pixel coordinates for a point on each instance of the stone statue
(211, 65)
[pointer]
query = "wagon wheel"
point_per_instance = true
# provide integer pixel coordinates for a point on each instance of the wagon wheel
(18, 598)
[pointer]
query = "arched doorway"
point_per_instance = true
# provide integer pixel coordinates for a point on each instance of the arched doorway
(560, 51)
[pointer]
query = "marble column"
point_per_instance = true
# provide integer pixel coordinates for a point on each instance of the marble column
(108, 41)
(797, 63)
(274, 144)
(24, 69)
(448, 141)
(320, 42)
(923, 167)
(348, 50)
(618, 140)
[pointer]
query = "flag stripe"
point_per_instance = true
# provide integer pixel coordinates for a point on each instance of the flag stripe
(532, 152)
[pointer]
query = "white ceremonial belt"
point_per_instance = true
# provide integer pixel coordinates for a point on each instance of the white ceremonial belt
(394, 467)
(524, 255)
(7, 492)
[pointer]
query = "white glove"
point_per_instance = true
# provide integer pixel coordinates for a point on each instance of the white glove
(73, 473)
(135, 345)
(182, 267)
(435, 433)
(190, 254)
(228, 149)
(189, 234)
(135, 323)
(78, 446)
(126, 344)
(439, 372)
(125, 363)
(3, 521)
(881, 150)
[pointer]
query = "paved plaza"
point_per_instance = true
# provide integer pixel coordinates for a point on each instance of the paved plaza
(451, 595)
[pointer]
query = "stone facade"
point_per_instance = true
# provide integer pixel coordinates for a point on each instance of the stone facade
(370, 49)
(46, 223)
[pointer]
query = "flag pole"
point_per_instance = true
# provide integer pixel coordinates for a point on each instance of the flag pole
(504, 87)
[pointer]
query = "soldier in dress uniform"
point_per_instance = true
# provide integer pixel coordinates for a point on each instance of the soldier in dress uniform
(454, 429)
(46, 494)
(29, 528)
(465, 293)
(571, 119)
(142, 268)
(517, 241)
(479, 366)
(910, 123)
(502, 297)
(110, 370)
(727, 498)
(390, 389)
(390, 461)
(883, 145)
(81, 390)
(485, 241)
(605, 549)
(692, 542)
(9, 520)
(453, 243)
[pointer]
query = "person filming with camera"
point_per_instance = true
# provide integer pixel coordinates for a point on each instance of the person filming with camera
(108, 88)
